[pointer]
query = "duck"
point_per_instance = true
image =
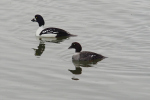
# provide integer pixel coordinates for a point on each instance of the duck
(48, 32)
(84, 55)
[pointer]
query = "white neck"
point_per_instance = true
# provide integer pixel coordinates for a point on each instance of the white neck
(39, 30)
(76, 53)
(76, 56)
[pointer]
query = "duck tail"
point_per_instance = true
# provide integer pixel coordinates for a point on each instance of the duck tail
(72, 35)
(104, 57)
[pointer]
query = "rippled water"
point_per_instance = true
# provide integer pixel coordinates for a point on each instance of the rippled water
(37, 70)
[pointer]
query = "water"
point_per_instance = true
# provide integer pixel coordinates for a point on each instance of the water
(34, 70)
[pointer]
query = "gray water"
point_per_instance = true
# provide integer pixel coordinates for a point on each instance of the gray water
(31, 69)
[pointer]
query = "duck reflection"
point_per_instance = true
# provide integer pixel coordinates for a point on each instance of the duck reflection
(53, 40)
(79, 64)
(39, 50)
(86, 63)
(77, 71)
(41, 47)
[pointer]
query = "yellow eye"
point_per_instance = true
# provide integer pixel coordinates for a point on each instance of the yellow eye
(35, 17)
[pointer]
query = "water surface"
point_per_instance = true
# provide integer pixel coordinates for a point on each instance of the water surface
(39, 70)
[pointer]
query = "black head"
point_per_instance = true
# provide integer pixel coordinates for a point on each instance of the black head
(76, 46)
(39, 19)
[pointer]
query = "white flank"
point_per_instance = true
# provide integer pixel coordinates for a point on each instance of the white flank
(48, 35)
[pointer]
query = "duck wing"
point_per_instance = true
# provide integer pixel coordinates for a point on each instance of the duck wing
(51, 30)
(88, 56)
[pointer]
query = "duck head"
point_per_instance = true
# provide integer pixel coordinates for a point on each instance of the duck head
(39, 19)
(76, 46)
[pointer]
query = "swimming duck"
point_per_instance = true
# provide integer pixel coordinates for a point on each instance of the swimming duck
(84, 55)
(48, 32)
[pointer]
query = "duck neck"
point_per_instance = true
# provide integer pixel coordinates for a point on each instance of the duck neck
(78, 50)
(39, 30)
(41, 22)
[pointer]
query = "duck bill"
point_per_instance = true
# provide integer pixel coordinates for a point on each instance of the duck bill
(70, 47)
(33, 20)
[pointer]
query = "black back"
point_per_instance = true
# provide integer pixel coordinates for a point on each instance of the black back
(52, 30)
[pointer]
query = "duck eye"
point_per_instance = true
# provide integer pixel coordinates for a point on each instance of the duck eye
(35, 17)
